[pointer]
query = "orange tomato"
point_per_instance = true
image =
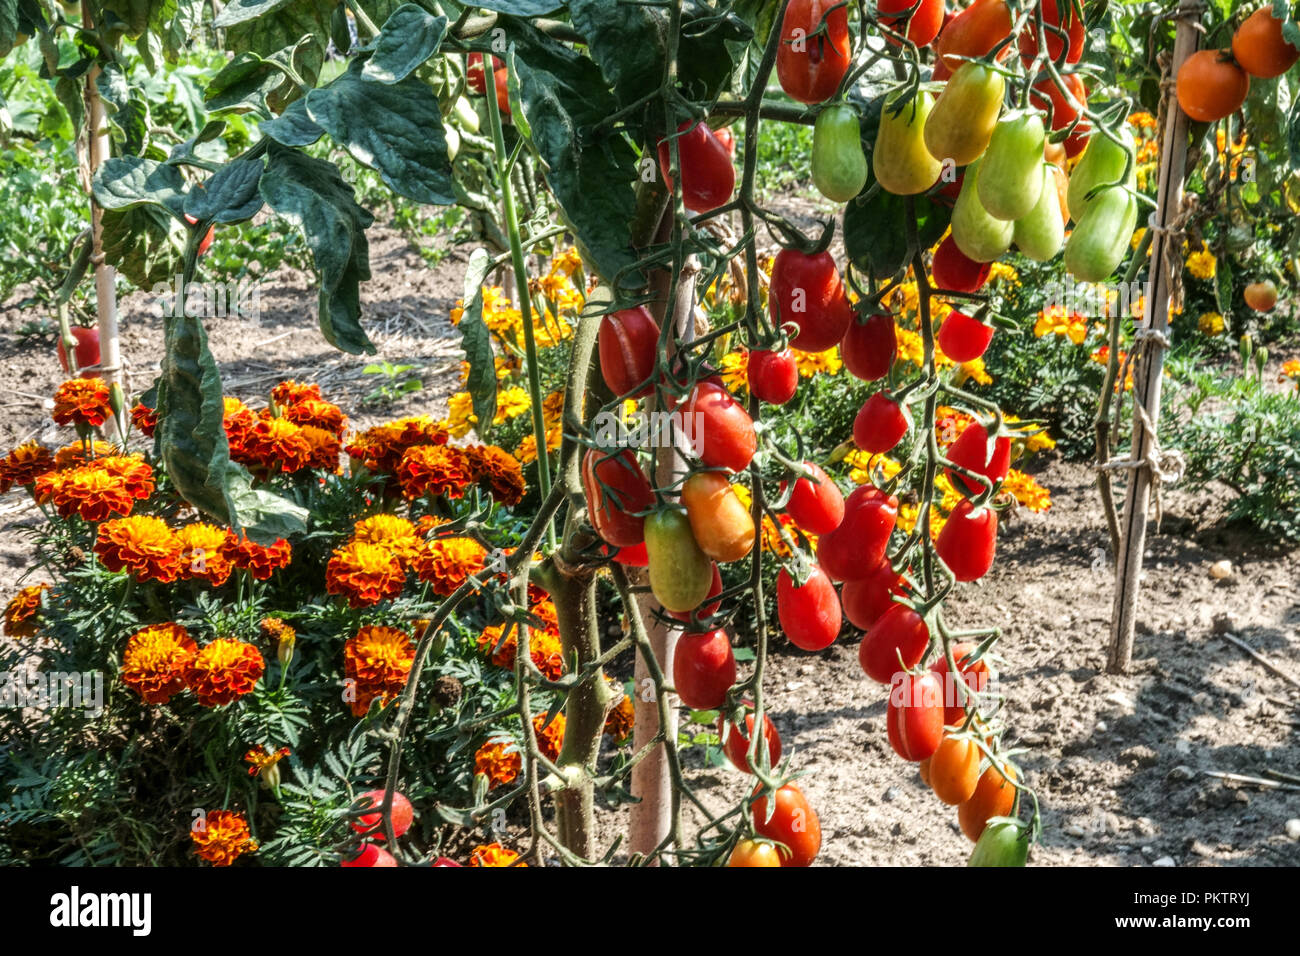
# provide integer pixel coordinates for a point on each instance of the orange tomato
(1211, 86)
(1259, 47)
(974, 32)
(722, 526)
(994, 796)
(753, 853)
(955, 770)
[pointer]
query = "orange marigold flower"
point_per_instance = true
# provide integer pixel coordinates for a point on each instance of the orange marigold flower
(273, 444)
(379, 449)
(432, 470)
(499, 761)
(82, 401)
(24, 465)
(317, 413)
(324, 446)
(222, 837)
(393, 532)
(144, 418)
(364, 573)
(80, 453)
(493, 854)
(224, 670)
(290, 392)
(262, 759)
(156, 660)
(498, 471)
(98, 489)
(544, 648)
(142, 545)
(23, 610)
(261, 561)
(550, 737)
(447, 562)
(206, 553)
(426, 523)
(621, 719)
(378, 659)
(237, 419)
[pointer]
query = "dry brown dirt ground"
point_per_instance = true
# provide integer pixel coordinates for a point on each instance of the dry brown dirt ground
(1119, 763)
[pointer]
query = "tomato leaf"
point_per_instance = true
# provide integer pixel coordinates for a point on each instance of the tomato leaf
(395, 128)
(8, 25)
(409, 37)
(522, 8)
(626, 41)
(312, 195)
(1223, 285)
(293, 127)
(263, 515)
(229, 195)
(238, 11)
(125, 181)
(476, 340)
(136, 243)
(300, 25)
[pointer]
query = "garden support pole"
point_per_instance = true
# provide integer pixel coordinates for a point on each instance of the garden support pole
(98, 149)
(1149, 365)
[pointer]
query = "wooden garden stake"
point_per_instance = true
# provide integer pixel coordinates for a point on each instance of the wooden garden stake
(1148, 368)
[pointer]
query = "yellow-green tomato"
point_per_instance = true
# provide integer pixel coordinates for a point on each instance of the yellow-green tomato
(963, 118)
(1040, 234)
(839, 167)
(680, 573)
(1101, 238)
(902, 164)
(977, 234)
(1011, 176)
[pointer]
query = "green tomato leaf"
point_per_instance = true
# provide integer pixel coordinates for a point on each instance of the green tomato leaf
(8, 25)
(300, 25)
(243, 85)
(395, 128)
(293, 127)
(409, 37)
(263, 515)
(125, 181)
(137, 243)
(626, 41)
(229, 195)
(522, 8)
(238, 11)
(476, 340)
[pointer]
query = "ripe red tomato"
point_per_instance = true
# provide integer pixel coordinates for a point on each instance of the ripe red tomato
(817, 505)
(86, 351)
(1259, 46)
(880, 424)
(1211, 86)
(704, 668)
(206, 242)
(628, 343)
(705, 610)
(613, 508)
(914, 717)
(371, 855)
(735, 743)
(974, 32)
(754, 853)
(1061, 106)
(1063, 19)
(869, 348)
(718, 428)
(858, 544)
(955, 770)
(864, 601)
(501, 80)
(810, 615)
(924, 25)
(773, 376)
(402, 812)
(806, 290)
(809, 67)
(728, 139)
(971, 451)
(474, 77)
(962, 338)
(793, 822)
(899, 632)
(955, 271)
(967, 541)
(975, 674)
(633, 557)
(708, 177)
(994, 796)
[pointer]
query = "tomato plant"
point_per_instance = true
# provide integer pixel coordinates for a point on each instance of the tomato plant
(806, 291)
(704, 668)
(792, 822)
(813, 55)
(809, 611)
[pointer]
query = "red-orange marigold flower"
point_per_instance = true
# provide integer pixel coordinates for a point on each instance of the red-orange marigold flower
(433, 470)
(222, 837)
(498, 471)
(379, 449)
(364, 573)
(273, 444)
(550, 737)
(317, 413)
(378, 659)
(144, 418)
(79, 453)
(206, 553)
(447, 562)
(98, 489)
(224, 670)
(24, 465)
(142, 545)
(262, 759)
(324, 446)
(156, 660)
(493, 854)
(621, 719)
(499, 761)
(82, 401)
(22, 613)
(261, 561)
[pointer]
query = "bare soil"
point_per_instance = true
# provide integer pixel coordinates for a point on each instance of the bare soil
(1118, 762)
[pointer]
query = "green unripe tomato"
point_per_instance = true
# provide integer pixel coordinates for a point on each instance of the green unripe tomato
(1041, 233)
(1102, 164)
(1101, 238)
(839, 167)
(1011, 175)
(1001, 844)
(977, 234)
(680, 573)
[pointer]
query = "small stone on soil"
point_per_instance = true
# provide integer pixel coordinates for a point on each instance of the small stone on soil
(1293, 828)
(1165, 861)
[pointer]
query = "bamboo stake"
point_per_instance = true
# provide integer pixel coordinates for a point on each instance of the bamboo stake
(1149, 369)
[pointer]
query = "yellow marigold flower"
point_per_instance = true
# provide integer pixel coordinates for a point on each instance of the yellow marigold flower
(82, 401)
(527, 450)
(734, 369)
(460, 414)
(142, 545)
(224, 670)
(1054, 320)
(446, 563)
(22, 613)
(393, 532)
(1291, 368)
(222, 837)
(364, 573)
(910, 347)
(205, 553)
(433, 470)
(812, 363)
(566, 262)
(493, 854)
(550, 737)
(499, 761)
(1032, 437)
(324, 449)
(1202, 264)
(861, 462)
(1137, 238)
(1210, 323)
(265, 763)
(24, 465)
(156, 660)
(1004, 272)
(1026, 490)
(973, 370)
(1142, 120)
(511, 403)
(378, 659)
(548, 331)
